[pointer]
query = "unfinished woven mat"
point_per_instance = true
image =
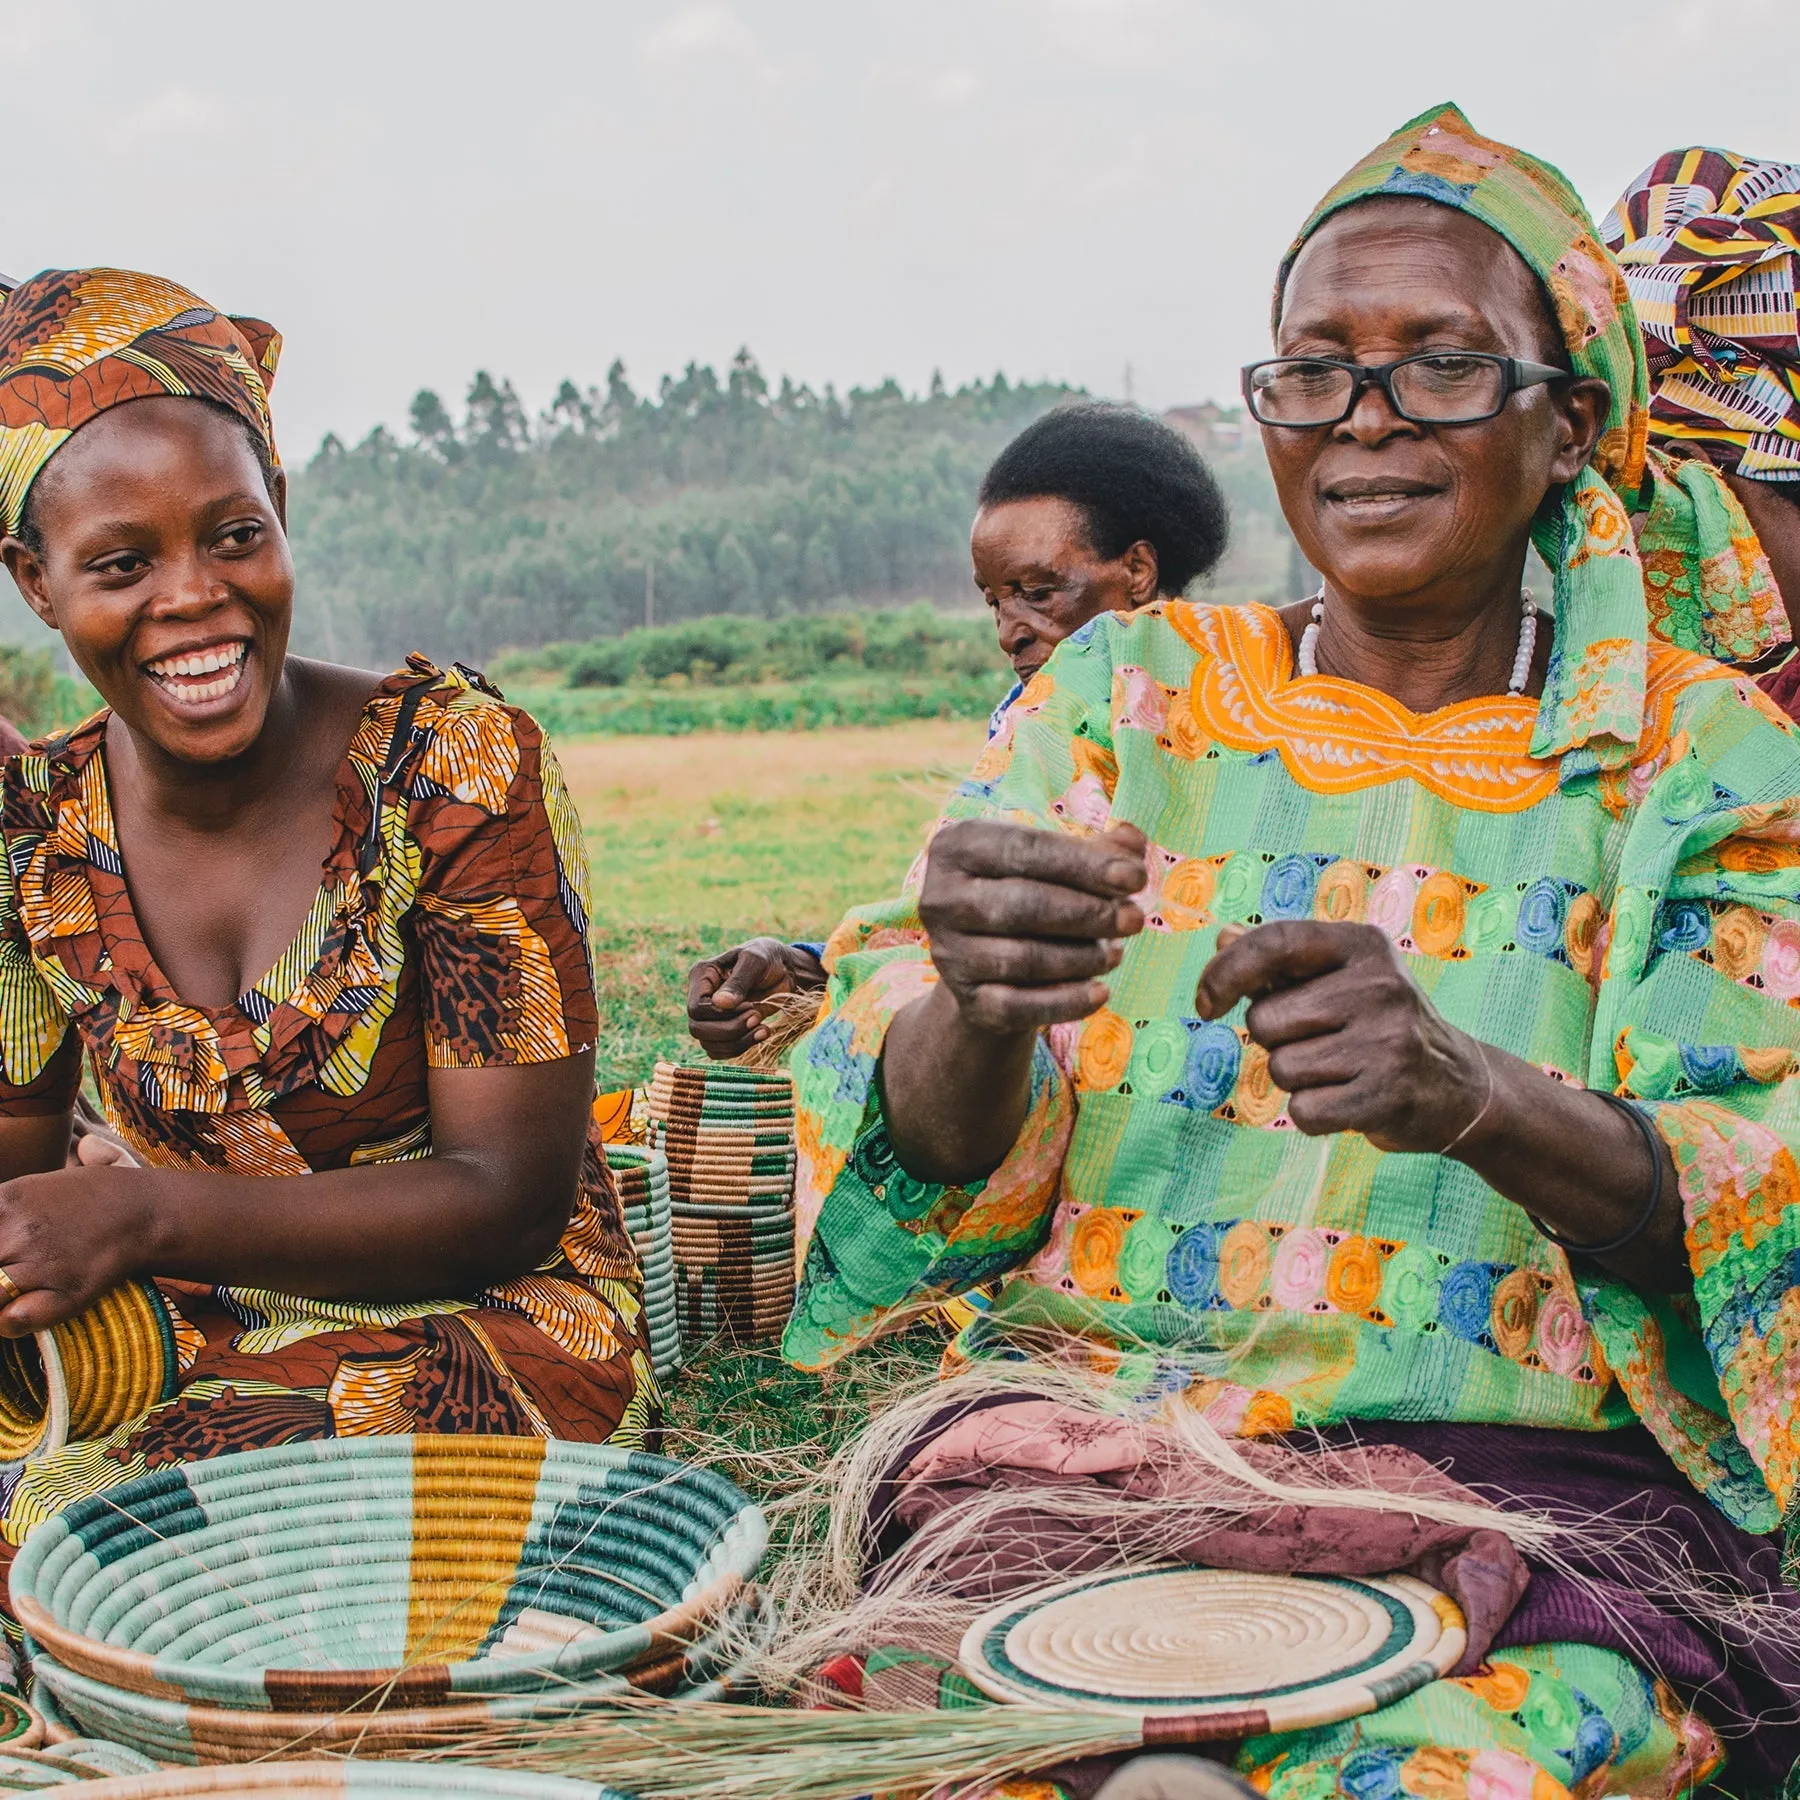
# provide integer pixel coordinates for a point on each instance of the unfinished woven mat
(728, 1136)
(642, 1175)
(1245, 1653)
(87, 1375)
(345, 1780)
(394, 1571)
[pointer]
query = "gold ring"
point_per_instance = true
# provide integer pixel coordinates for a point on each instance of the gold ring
(10, 1288)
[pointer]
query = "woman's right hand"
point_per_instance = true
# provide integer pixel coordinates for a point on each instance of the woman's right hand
(67, 1237)
(1023, 922)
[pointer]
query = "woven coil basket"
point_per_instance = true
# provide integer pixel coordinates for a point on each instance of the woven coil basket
(236, 1601)
(642, 1175)
(1238, 1654)
(67, 1761)
(82, 1378)
(172, 1731)
(727, 1134)
(21, 1726)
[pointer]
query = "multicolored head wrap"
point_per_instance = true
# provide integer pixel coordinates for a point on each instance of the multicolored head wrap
(1695, 574)
(1708, 242)
(76, 342)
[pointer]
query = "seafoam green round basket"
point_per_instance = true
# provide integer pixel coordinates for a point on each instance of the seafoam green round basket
(177, 1731)
(421, 1571)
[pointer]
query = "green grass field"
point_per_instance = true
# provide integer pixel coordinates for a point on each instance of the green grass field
(700, 841)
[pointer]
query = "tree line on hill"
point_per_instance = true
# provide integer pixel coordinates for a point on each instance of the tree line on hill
(712, 496)
(915, 640)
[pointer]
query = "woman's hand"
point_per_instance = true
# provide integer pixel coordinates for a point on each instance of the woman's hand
(1023, 922)
(728, 992)
(1358, 1047)
(489, 1204)
(1349, 1034)
(67, 1238)
(93, 1144)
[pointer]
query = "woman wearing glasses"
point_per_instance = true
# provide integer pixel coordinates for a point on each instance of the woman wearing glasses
(1377, 1015)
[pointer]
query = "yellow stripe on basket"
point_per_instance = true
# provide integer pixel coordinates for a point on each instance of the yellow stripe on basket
(466, 1541)
(115, 1360)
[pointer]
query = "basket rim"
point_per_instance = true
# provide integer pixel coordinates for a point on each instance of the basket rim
(723, 1543)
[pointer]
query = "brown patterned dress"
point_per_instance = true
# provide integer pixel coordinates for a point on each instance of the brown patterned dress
(449, 932)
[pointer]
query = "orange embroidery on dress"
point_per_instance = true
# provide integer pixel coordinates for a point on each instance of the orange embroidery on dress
(1095, 760)
(1337, 737)
(1608, 525)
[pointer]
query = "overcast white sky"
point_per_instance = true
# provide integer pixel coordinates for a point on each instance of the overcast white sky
(854, 188)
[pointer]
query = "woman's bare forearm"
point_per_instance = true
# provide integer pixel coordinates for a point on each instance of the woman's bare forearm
(955, 1097)
(440, 1226)
(434, 1228)
(488, 1204)
(1579, 1165)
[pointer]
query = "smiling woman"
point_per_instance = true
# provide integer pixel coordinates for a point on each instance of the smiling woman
(304, 921)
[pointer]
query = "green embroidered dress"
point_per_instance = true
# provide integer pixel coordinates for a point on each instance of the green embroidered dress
(1606, 882)
(1619, 912)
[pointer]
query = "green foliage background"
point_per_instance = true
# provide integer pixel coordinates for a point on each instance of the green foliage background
(731, 497)
(797, 673)
(35, 697)
(760, 515)
(749, 501)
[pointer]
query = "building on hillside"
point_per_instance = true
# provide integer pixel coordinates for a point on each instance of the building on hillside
(1212, 427)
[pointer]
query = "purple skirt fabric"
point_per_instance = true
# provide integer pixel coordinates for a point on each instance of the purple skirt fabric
(1747, 1687)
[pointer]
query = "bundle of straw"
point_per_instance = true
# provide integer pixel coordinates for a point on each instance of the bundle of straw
(347, 1780)
(725, 1752)
(788, 1018)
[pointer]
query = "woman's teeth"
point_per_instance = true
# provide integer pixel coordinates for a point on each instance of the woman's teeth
(200, 675)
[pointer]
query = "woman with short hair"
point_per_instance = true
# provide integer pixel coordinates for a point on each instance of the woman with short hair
(1093, 508)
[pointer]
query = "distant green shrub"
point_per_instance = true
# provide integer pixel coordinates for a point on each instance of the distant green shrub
(732, 650)
(27, 688)
(701, 649)
(610, 663)
(646, 710)
(35, 697)
(541, 663)
(71, 701)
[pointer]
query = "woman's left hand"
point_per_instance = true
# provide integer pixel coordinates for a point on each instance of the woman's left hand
(1350, 1036)
(68, 1237)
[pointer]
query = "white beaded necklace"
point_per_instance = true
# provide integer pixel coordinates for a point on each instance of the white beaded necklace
(1521, 669)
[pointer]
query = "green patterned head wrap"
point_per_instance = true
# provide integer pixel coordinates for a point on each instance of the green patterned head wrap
(1694, 574)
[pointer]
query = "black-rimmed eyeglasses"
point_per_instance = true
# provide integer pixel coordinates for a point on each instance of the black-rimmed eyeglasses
(1436, 388)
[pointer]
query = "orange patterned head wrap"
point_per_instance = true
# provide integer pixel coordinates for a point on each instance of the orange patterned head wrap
(1710, 245)
(76, 342)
